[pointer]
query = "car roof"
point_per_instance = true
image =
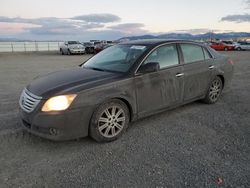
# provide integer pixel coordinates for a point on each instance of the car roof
(155, 42)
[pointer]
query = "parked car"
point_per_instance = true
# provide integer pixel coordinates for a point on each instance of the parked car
(221, 46)
(72, 47)
(228, 42)
(89, 47)
(99, 47)
(242, 46)
(121, 84)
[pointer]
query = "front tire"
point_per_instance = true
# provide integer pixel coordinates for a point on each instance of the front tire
(61, 51)
(69, 53)
(109, 121)
(214, 91)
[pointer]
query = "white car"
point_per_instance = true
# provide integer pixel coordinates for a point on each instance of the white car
(242, 46)
(72, 47)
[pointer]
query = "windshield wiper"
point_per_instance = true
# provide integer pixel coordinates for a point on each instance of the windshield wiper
(98, 69)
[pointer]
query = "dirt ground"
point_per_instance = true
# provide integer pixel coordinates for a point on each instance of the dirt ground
(196, 145)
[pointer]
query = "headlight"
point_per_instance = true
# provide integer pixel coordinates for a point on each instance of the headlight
(58, 103)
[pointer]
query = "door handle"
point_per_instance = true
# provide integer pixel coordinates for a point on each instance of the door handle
(179, 75)
(211, 67)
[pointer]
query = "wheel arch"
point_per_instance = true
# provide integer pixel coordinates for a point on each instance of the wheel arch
(222, 79)
(123, 100)
(128, 105)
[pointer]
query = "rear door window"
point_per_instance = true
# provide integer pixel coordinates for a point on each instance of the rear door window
(192, 53)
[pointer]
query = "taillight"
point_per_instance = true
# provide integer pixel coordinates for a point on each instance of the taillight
(231, 62)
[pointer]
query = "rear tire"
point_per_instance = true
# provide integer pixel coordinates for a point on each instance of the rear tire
(225, 49)
(239, 49)
(109, 121)
(214, 91)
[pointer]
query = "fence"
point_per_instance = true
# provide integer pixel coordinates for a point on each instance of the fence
(29, 46)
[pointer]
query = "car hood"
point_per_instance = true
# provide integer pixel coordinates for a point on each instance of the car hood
(75, 46)
(62, 81)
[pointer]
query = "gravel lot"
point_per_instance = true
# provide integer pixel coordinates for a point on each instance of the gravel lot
(196, 145)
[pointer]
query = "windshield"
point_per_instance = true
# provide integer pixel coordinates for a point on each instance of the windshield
(88, 44)
(228, 42)
(117, 58)
(74, 42)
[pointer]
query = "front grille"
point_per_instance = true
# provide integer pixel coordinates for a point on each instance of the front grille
(28, 101)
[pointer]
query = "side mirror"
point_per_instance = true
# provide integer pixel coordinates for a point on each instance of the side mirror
(149, 67)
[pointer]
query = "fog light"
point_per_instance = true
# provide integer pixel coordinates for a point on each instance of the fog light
(53, 131)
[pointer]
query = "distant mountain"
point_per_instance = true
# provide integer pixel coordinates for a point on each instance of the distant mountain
(189, 36)
(186, 36)
(11, 40)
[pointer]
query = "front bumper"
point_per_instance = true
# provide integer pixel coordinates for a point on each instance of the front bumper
(77, 51)
(66, 125)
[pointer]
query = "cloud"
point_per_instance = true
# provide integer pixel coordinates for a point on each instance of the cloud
(80, 36)
(40, 23)
(53, 25)
(68, 28)
(91, 26)
(194, 31)
(12, 28)
(12, 20)
(238, 18)
(129, 28)
(201, 31)
(98, 18)
(84, 22)
(35, 21)
(247, 2)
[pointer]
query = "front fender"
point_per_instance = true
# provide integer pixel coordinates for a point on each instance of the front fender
(122, 89)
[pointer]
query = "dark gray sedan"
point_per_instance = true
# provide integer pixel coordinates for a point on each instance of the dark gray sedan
(121, 84)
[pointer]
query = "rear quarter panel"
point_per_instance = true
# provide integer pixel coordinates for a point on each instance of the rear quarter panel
(224, 69)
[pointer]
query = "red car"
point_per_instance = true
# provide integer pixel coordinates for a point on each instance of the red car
(221, 46)
(98, 48)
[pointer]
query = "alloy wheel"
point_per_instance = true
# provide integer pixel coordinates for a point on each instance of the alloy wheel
(215, 90)
(111, 121)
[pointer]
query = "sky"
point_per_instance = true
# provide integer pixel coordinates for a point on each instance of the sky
(112, 19)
